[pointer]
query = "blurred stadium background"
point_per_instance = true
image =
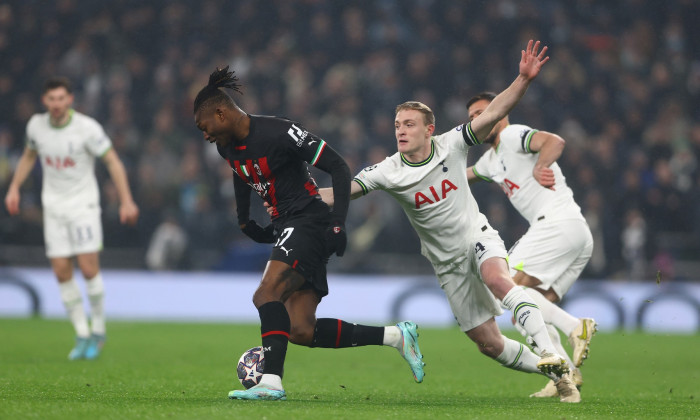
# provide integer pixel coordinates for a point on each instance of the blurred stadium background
(623, 89)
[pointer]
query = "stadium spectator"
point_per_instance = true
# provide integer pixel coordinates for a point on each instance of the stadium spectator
(628, 63)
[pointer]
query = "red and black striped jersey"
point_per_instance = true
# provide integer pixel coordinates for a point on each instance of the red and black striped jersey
(272, 160)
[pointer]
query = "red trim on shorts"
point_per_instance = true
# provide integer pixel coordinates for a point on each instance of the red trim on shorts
(337, 337)
(286, 334)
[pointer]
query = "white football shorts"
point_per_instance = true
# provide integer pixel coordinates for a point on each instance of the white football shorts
(471, 301)
(555, 252)
(66, 235)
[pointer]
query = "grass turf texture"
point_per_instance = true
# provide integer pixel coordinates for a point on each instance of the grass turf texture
(177, 370)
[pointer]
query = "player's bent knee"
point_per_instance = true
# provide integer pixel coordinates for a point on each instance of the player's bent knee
(301, 335)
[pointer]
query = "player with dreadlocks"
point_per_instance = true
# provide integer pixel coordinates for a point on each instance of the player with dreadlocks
(269, 155)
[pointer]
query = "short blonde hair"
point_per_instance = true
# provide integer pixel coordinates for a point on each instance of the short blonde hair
(428, 116)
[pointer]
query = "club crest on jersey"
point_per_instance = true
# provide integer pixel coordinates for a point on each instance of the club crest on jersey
(432, 196)
(298, 135)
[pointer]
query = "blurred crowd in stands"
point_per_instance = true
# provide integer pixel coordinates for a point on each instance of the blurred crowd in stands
(622, 88)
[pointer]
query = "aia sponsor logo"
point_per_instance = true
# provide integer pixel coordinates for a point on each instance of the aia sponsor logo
(509, 187)
(434, 194)
(59, 163)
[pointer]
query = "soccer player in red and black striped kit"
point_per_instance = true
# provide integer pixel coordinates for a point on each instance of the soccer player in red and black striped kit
(269, 155)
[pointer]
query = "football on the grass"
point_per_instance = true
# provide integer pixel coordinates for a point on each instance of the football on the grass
(250, 367)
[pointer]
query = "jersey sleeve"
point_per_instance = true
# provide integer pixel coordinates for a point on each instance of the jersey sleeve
(30, 134)
(97, 141)
(372, 178)
(304, 143)
(517, 137)
(460, 138)
(481, 168)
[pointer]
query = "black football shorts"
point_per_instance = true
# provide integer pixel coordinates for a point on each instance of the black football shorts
(301, 243)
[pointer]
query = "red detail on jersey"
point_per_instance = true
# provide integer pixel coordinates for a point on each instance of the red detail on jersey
(337, 337)
(336, 229)
(284, 333)
(446, 187)
(240, 147)
(296, 262)
(59, 163)
(272, 192)
(311, 188)
(509, 187)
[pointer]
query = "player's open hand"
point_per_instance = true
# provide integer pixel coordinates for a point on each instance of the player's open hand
(545, 176)
(531, 61)
(128, 213)
(268, 208)
(12, 201)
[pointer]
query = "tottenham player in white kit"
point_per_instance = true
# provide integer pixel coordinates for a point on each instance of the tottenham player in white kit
(551, 255)
(428, 179)
(66, 143)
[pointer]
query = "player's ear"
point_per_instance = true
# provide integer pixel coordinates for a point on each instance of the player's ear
(431, 129)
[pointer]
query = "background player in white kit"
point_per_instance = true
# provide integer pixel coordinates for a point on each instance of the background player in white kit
(67, 143)
(551, 255)
(428, 179)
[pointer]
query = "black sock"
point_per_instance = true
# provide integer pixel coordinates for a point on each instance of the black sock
(334, 334)
(274, 329)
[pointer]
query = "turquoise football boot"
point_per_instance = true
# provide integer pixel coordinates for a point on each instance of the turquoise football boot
(410, 350)
(258, 392)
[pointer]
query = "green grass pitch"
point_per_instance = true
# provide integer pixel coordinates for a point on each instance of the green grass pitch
(185, 370)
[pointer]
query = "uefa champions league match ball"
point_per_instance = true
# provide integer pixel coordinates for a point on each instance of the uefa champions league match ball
(250, 367)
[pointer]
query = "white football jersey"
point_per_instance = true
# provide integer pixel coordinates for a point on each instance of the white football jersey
(67, 156)
(511, 165)
(434, 194)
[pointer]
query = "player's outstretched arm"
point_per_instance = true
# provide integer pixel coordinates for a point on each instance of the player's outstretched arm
(128, 210)
(24, 167)
(327, 193)
(531, 61)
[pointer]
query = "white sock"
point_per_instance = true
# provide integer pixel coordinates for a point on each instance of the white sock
(73, 302)
(96, 296)
(272, 381)
(518, 357)
(393, 337)
(553, 314)
(556, 340)
(528, 315)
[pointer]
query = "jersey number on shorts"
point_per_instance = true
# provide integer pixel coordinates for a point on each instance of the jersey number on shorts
(83, 233)
(286, 233)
